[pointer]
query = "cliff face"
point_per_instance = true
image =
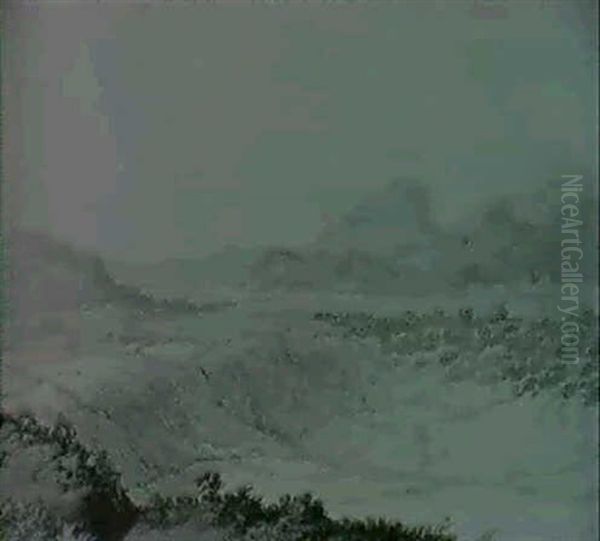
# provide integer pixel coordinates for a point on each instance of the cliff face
(48, 283)
(46, 274)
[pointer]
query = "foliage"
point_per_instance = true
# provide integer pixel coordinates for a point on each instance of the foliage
(34, 522)
(108, 513)
(527, 351)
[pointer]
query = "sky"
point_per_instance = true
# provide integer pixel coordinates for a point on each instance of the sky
(150, 130)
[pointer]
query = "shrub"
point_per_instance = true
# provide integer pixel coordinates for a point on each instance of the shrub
(108, 513)
(34, 522)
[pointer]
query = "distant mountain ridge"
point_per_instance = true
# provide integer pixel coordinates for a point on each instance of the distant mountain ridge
(46, 275)
(398, 214)
(45, 272)
(390, 243)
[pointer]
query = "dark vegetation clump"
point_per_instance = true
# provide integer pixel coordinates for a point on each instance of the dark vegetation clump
(35, 522)
(105, 511)
(292, 518)
(526, 353)
(466, 314)
(108, 514)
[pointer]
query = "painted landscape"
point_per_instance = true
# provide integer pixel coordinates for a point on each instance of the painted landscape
(440, 401)
(299, 270)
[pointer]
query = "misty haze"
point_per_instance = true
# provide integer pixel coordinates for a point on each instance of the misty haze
(300, 271)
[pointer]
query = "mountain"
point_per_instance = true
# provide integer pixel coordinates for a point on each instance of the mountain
(46, 274)
(47, 284)
(393, 235)
(399, 214)
(520, 239)
(391, 243)
(178, 276)
(50, 284)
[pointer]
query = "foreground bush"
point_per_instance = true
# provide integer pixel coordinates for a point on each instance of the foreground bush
(107, 513)
(34, 522)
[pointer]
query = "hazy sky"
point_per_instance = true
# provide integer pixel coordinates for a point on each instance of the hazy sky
(172, 129)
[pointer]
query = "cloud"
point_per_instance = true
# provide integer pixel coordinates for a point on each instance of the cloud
(156, 124)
